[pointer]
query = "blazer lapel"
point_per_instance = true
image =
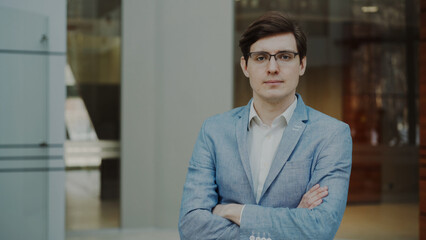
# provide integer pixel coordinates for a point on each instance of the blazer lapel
(242, 139)
(289, 140)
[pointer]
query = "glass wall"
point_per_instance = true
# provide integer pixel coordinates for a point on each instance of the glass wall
(92, 113)
(362, 69)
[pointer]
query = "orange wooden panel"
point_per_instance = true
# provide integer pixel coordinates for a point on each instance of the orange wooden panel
(422, 135)
(422, 226)
(365, 182)
(423, 173)
(422, 152)
(422, 88)
(422, 197)
(423, 32)
(422, 57)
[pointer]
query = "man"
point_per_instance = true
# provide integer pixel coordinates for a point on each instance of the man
(256, 171)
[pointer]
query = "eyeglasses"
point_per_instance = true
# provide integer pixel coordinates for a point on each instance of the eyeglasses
(282, 57)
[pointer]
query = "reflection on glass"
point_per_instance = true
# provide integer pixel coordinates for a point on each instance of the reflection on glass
(361, 68)
(92, 113)
(378, 85)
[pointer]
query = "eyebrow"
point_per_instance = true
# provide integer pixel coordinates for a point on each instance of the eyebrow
(288, 50)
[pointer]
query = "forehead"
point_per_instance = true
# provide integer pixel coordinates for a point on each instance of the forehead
(275, 43)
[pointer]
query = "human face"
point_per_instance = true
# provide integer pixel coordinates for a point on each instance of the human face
(272, 83)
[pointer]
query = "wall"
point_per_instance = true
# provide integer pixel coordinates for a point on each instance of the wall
(176, 71)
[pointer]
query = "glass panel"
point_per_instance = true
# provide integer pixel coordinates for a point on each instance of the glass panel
(23, 94)
(22, 30)
(29, 212)
(23, 98)
(362, 69)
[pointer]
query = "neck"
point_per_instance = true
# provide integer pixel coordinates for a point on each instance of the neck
(268, 111)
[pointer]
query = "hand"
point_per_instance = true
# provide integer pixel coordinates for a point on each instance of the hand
(231, 212)
(313, 197)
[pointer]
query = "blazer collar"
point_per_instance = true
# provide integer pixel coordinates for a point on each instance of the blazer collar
(299, 113)
(288, 142)
(242, 128)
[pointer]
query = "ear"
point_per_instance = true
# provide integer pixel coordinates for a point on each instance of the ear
(243, 64)
(302, 67)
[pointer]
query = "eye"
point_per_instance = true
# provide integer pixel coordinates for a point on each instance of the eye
(259, 57)
(285, 56)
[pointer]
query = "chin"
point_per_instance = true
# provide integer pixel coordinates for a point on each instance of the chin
(274, 98)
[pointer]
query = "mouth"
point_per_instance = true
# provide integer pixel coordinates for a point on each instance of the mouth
(273, 82)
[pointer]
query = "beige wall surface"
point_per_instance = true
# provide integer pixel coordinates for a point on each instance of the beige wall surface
(176, 71)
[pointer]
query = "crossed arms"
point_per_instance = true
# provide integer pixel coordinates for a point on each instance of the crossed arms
(203, 217)
(310, 200)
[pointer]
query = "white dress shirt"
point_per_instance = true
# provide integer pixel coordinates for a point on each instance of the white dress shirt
(263, 143)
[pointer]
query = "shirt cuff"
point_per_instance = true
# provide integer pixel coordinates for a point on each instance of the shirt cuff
(241, 214)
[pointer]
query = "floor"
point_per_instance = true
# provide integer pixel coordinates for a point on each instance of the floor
(381, 221)
(116, 234)
(84, 210)
(90, 219)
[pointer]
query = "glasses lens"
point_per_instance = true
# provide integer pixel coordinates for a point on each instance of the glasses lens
(285, 56)
(260, 57)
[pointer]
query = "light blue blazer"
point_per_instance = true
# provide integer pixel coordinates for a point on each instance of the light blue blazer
(314, 148)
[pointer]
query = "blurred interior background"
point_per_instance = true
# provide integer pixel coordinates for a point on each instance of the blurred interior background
(132, 81)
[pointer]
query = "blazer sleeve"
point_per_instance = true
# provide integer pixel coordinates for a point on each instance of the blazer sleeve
(332, 169)
(200, 196)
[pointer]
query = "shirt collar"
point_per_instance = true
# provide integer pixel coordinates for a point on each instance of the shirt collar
(287, 114)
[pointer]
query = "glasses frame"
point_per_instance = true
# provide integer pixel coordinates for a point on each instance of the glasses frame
(273, 55)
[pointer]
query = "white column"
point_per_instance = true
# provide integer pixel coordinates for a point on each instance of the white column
(177, 70)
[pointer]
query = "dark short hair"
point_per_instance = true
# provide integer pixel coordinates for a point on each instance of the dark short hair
(272, 23)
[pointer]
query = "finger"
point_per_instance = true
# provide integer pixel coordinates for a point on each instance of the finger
(313, 189)
(320, 195)
(315, 204)
(317, 197)
(315, 192)
(313, 195)
(319, 191)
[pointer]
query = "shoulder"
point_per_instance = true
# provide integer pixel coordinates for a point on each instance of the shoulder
(223, 123)
(229, 117)
(323, 121)
(327, 132)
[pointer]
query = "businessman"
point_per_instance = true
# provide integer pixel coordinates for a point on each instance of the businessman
(275, 168)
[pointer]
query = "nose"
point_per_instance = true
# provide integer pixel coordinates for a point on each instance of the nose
(272, 67)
